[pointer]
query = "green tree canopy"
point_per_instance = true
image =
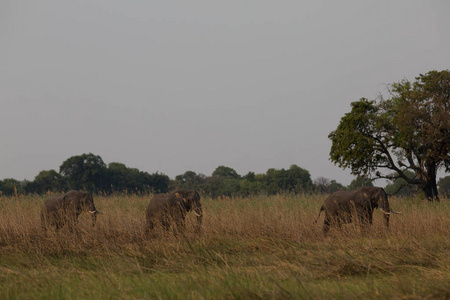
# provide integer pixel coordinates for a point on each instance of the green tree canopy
(84, 172)
(189, 180)
(10, 186)
(295, 179)
(47, 180)
(408, 131)
(335, 186)
(226, 172)
(121, 178)
(358, 182)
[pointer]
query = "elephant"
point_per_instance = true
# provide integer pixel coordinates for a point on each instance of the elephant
(65, 209)
(172, 208)
(340, 207)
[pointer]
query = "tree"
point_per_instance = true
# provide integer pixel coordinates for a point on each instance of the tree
(325, 185)
(335, 186)
(251, 184)
(45, 181)
(121, 178)
(400, 187)
(10, 187)
(86, 171)
(226, 172)
(295, 179)
(117, 177)
(251, 176)
(189, 180)
(213, 186)
(408, 131)
(158, 182)
(321, 184)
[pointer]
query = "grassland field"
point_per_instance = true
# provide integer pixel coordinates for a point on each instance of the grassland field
(261, 247)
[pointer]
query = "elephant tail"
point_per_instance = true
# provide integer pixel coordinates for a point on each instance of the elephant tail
(321, 209)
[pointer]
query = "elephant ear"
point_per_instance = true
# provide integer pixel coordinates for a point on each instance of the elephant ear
(379, 197)
(183, 202)
(363, 198)
(72, 202)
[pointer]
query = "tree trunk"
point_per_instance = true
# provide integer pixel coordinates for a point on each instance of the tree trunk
(430, 187)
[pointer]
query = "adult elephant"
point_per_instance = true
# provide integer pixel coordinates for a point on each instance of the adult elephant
(172, 208)
(341, 206)
(64, 210)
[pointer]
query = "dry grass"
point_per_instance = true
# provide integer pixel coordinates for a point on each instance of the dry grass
(258, 247)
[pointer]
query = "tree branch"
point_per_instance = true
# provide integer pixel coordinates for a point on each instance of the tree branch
(399, 189)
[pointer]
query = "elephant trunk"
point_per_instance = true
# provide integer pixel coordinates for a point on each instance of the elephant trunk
(387, 214)
(383, 204)
(385, 209)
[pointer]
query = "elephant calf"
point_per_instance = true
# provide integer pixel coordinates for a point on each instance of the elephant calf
(172, 208)
(64, 210)
(341, 206)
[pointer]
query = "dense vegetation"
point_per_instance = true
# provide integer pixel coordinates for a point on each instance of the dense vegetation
(89, 172)
(260, 247)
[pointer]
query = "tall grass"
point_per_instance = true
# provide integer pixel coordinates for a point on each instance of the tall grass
(257, 247)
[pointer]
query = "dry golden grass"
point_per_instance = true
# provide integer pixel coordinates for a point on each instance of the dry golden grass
(257, 247)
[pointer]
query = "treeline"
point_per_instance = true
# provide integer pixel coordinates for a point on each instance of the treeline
(225, 181)
(89, 172)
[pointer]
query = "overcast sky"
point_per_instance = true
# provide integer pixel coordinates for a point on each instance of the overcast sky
(172, 86)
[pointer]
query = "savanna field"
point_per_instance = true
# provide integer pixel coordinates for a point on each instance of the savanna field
(262, 247)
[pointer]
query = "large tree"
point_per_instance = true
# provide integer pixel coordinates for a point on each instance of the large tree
(295, 179)
(408, 131)
(84, 172)
(226, 172)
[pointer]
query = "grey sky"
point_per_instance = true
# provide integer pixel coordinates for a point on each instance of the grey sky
(172, 86)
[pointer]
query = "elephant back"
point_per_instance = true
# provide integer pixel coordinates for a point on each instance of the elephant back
(157, 203)
(53, 203)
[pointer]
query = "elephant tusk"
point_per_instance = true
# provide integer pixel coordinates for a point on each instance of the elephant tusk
(93, 212)
(395, 212)
(197, 214)
(384, 212)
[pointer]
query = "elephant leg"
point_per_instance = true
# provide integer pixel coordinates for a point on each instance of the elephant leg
(72, 223)
(165, 223)
(180, 224)
(150, 225)
(338, 223)
(43, 223)
(365, 220)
